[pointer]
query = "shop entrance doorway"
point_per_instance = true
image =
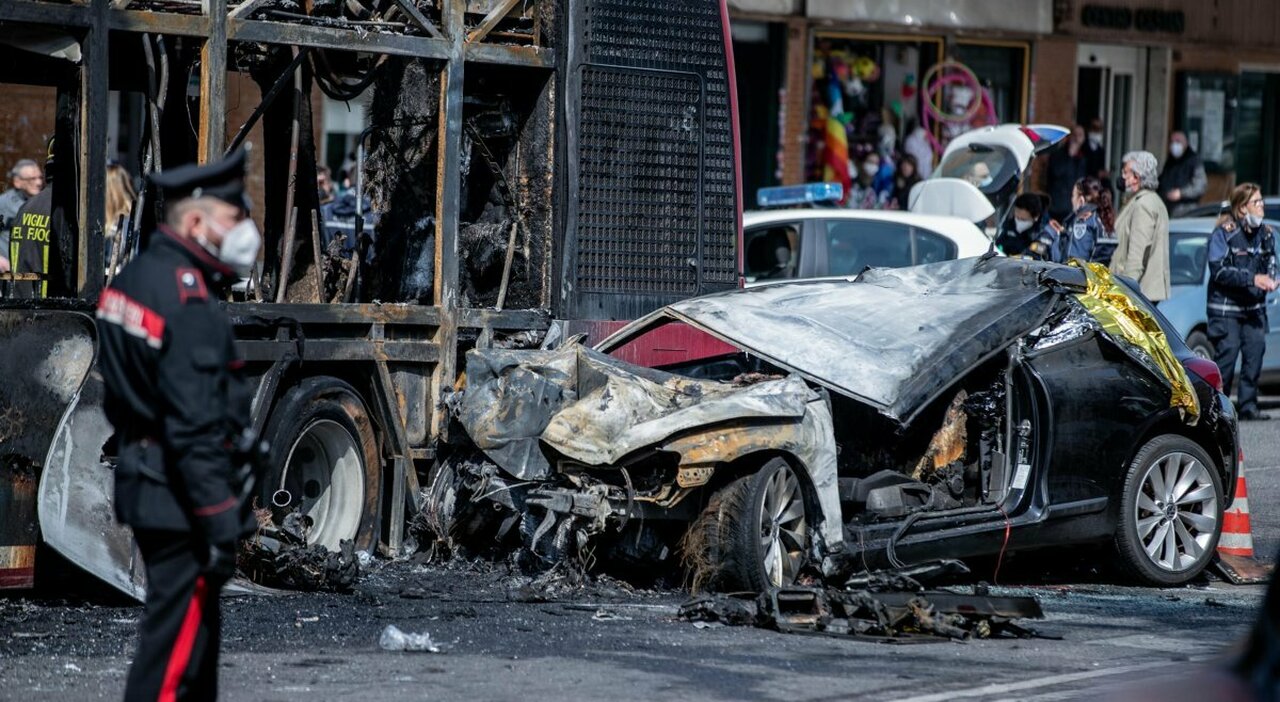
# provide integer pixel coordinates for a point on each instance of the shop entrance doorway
(1111, 86)
(1257, 124)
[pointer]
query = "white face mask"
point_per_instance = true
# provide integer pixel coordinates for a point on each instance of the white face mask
(1254, 221)
(871, 168)
(239, 248)
(984, 181)
(1095, 137)
(1176, 149)
(1022, 225)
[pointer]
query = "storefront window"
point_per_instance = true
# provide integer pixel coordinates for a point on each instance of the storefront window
(1002, 70)
(864, 97)
(893, 96)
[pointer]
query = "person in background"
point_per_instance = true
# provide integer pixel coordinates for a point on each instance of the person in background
(41, 242)
(324, 185)
(1029, 234)
(26, 180)
(120, 196)
(1095, 153)
(1090, 228)
(1182, 180)
(1242, 270)
(917, 144)
(1142, 229)
(1066, 167)
(978, 175)
(906, 178)
(862, 193)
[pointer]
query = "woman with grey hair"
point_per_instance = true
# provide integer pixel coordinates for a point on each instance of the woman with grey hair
(1142, 228)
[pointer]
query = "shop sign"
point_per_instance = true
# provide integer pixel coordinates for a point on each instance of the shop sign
(1124, 18)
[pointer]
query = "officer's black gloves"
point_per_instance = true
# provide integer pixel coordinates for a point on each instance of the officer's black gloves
(221, 565)
(222, 532)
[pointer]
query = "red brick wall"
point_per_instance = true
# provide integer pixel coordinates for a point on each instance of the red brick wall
(26, 123)
(795, 104)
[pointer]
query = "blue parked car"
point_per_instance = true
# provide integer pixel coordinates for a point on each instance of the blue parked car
(1189, 286)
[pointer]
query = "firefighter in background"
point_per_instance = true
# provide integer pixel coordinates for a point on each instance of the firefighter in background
(176, 399)
(39, 244)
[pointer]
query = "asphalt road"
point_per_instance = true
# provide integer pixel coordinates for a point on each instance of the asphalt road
(503, 641)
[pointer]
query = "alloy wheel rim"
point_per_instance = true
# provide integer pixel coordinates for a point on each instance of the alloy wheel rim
(1176, 514)
(782, 527)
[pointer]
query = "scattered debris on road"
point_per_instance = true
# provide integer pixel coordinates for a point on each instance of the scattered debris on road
(393, 639)
(890, 607)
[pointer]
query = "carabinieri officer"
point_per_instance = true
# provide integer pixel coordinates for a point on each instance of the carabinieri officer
(176, 399)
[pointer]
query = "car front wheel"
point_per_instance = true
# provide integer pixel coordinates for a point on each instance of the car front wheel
(1171, 514)
(754, 533)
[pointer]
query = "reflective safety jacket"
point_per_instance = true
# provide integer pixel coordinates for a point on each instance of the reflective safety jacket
(36, 246)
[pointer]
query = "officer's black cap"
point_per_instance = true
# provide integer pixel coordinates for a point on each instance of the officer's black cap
(222, 179)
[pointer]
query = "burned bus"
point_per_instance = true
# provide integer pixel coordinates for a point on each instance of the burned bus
(529, 170)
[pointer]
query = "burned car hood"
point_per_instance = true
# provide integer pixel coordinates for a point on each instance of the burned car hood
(892, 338)
(595, 409)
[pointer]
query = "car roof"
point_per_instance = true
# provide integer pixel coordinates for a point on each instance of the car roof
(966, 234)
(891, 337)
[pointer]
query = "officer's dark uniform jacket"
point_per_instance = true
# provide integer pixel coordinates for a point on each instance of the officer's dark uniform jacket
(1085, 238)
(174, 390)
(1236, 255)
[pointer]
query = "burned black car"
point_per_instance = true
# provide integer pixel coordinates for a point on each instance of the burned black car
(955, 409)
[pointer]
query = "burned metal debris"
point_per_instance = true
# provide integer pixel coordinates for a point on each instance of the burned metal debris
(887, 606)
(282, 558)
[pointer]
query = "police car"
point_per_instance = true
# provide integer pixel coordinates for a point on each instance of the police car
(795, 241)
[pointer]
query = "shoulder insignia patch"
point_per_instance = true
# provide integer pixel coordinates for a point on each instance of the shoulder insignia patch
(190, 285)
(1228, 226)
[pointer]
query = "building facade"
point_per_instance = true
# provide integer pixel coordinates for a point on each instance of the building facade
(877, 69)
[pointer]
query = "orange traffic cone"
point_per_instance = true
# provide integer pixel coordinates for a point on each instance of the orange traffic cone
(1235, 546)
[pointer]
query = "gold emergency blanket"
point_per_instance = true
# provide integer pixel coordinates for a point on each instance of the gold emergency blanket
(1110, 304)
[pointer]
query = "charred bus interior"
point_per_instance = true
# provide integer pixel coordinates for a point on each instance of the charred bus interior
(507, 177)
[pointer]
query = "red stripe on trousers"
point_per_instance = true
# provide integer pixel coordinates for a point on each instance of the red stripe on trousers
(181, 654)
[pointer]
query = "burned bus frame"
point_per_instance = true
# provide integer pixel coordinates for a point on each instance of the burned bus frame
(648, 241)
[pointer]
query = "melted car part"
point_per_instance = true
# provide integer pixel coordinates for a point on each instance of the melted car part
(909, 616)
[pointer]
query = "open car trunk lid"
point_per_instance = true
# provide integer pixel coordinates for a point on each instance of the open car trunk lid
(892, 338)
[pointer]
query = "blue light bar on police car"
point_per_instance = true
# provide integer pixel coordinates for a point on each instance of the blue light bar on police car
(791, 195)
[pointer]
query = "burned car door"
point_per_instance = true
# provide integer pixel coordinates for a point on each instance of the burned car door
(1099, 402)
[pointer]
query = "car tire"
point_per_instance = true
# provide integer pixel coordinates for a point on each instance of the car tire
(754, 532)
(1200, 345)
(324, 462)
(1170, 513)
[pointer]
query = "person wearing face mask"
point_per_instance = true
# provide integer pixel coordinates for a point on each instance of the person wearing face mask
(175, 395)
(1066, 166)
(1027, 234)
(863, 194)
(1242, 270)
(1142, 229)
(1095, 153)
(1182, 180)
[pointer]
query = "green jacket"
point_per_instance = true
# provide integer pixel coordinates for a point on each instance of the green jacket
(1142, 229)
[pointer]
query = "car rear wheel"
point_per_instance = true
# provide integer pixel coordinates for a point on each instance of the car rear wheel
(1171, 515)
(1200, 345)
(754, 533)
